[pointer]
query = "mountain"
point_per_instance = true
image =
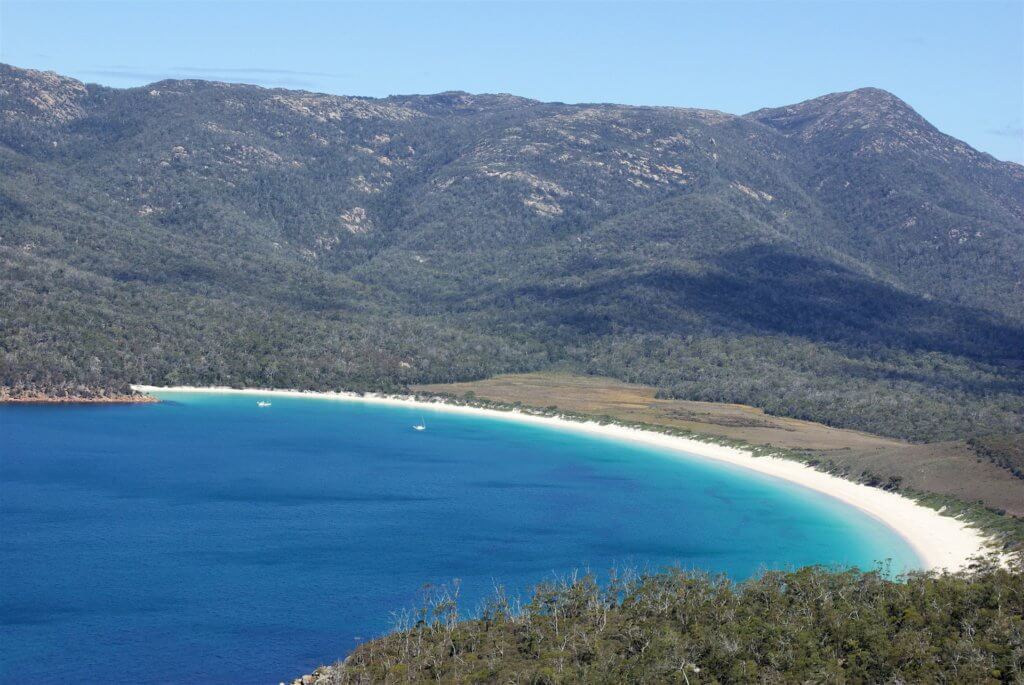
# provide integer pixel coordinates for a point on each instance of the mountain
(838, 260)
(923, 206)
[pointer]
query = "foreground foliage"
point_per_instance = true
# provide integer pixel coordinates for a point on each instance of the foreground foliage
(811, 625)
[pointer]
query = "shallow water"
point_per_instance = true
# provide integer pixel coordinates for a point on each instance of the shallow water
(206, 538)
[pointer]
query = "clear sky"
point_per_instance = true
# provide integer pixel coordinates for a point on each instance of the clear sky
(960, 64)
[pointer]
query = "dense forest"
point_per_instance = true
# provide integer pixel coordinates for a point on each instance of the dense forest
(808, 626)
(839, 260)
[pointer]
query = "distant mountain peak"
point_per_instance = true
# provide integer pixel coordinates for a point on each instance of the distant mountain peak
(192, 230)
(42, 97)
(460, 100)
(877, 95)
(850, 110)
(871, 122)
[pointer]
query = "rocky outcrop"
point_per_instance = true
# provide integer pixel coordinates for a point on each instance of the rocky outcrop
(71, 395)
(324, 675)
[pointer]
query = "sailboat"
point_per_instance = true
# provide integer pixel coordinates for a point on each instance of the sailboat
(263, 403)
(421, 426)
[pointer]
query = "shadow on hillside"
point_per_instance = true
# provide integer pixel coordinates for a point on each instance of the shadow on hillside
(762, 289)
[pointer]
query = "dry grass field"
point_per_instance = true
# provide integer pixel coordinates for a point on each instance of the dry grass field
(949, 468)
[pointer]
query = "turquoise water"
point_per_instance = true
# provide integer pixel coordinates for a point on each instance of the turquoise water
(204, 538)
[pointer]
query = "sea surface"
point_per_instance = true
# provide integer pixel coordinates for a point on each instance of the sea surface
(207, 539)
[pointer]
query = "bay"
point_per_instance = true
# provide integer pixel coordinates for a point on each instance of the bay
(206, 538)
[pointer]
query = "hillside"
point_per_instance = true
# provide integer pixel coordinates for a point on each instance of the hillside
(839, 260)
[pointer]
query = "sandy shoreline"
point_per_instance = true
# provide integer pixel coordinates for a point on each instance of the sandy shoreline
(941, 542)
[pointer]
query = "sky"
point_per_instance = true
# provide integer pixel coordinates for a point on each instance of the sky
(959, 64)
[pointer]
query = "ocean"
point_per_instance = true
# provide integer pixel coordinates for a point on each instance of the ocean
(206, 538)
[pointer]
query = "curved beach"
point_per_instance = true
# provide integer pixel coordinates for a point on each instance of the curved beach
(940, 542)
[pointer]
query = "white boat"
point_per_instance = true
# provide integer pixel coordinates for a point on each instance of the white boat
(421, 426)
(262, 403)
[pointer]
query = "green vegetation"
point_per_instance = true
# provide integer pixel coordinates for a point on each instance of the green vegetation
(1006, 451)
(913, 395)
(203, 233)
(811, 625)
(839, 260)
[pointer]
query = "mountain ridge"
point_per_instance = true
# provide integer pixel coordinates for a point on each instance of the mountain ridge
(864, 92)
(378, 242)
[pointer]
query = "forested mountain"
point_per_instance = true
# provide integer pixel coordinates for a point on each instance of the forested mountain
(839, 260)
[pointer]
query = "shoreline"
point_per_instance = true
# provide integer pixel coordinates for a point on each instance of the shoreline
(940, 542)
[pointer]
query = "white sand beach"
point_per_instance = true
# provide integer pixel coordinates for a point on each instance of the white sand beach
(941, 542)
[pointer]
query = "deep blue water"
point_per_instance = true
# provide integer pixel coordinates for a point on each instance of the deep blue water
(207, 539)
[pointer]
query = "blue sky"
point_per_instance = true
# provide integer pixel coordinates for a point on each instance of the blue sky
(960, 64)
